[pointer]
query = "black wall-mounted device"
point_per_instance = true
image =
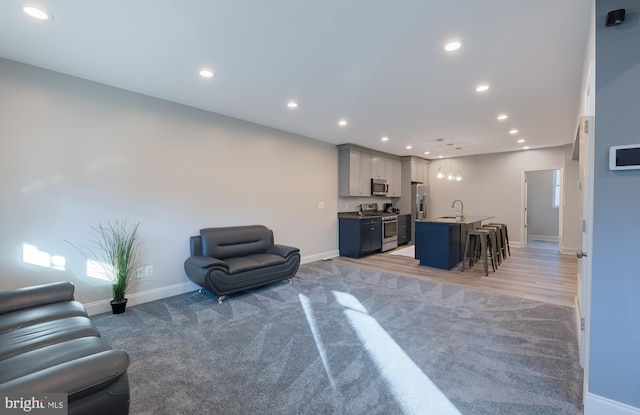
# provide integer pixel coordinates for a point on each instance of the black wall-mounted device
(626, 157)
(615, 17)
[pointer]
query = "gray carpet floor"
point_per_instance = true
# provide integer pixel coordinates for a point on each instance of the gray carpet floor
(347, 340)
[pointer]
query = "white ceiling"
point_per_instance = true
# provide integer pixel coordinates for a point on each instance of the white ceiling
(378, 64)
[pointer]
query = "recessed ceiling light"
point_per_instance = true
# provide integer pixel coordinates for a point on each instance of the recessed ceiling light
(292, 104)
(451, 46)
(205, 73)
(342, 123)
(502, 117)
(513, 131)
(408, 147)
(522, 140)
(440, 156)
(385, 138)
(37, 13)
(525, 148)
(426, 152)
(482, 88)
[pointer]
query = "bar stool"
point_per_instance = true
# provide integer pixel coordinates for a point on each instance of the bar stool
(500, 243)
(494, 248)
(505, 236)
(477, 240)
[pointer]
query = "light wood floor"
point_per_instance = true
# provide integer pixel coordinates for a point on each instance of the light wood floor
(534, 273)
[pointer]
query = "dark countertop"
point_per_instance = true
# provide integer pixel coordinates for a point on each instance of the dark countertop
(449, 219)
(354, 215)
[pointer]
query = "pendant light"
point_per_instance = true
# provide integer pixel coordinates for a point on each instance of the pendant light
(450, 173)
(459, 176)
(440, 174)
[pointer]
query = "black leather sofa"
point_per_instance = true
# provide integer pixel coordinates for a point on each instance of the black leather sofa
(236, 258)
(49, 345)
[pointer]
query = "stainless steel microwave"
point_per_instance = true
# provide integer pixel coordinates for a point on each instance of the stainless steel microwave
(379, 187)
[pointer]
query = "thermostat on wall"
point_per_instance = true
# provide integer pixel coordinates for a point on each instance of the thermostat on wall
(624, 157)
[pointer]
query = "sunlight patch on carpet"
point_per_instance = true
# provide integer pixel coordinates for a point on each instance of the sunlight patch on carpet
(413, 390)
(315, 331)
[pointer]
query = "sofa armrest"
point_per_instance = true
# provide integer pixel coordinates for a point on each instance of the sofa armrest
(198, 267)
(204, 262)
(283, 250)
(37, 295)
(74, 376)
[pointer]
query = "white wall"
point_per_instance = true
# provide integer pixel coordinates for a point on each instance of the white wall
(75, 152)
(542, 216)
(493, 184)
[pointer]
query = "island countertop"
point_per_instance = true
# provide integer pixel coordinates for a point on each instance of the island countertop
(452, 219)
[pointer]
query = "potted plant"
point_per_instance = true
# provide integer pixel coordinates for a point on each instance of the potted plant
(116, 247)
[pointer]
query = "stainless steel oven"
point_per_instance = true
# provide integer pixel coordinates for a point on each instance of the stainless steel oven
(389, 232)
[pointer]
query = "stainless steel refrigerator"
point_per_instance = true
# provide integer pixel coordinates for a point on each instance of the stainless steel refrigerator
(419, 206)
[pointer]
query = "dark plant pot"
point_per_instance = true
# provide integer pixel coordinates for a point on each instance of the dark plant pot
(119, 308)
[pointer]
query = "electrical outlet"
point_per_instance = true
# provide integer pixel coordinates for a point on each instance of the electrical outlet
(140, 273)
(320, 205)
(148, 270)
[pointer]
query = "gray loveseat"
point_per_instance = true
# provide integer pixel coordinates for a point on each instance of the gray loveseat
(49, 345)
(236, 258)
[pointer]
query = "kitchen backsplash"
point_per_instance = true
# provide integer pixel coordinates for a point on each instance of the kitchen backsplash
(350, 204)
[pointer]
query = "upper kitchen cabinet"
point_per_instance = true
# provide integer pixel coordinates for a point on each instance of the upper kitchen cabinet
(419, 170)
(378, 168)
(358, 165)
(394, 177)
(354, 173)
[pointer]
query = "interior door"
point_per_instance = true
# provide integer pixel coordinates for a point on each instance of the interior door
(583, 300)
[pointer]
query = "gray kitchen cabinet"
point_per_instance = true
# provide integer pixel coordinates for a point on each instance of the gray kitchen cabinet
(357, 166)
(419, 170)
(378, 167)
(365, 178)
(354, 173)
(394, 177)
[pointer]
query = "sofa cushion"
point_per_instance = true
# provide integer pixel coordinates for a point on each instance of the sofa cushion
(30, 316)
(267, 260)
(235, 241)
(49, 356)
(241, 264)
(44, 334)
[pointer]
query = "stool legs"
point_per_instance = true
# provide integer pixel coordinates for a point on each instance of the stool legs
(505, 238)
(477, 245)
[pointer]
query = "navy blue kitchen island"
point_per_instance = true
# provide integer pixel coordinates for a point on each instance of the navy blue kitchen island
(440, 241)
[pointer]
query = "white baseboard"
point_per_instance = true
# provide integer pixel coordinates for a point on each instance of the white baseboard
(103, 306)
(545, 238)
(598, 405)
(319, 257)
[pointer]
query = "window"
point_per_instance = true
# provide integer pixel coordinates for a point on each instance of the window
(556, 188)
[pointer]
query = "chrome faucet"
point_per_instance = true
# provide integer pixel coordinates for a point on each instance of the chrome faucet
(462, 214)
